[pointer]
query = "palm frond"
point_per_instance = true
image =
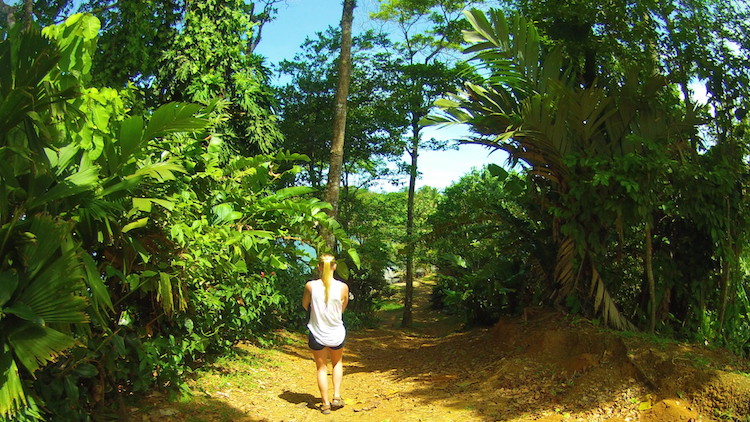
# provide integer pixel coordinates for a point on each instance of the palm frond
(564, 275)
(605, 305)
(35, 345)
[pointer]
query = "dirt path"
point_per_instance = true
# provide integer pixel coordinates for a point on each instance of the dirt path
(536, 368)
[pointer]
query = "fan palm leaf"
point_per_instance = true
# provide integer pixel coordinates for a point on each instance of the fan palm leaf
(39, 293)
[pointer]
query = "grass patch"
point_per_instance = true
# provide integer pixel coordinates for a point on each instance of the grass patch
(237, 369)
(389, 305)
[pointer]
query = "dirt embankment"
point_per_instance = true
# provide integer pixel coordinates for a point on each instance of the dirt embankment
(539, 368)
(602, 375)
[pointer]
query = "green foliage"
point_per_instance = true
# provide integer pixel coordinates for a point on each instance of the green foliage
(131, 247)
(41, 275)
(134, 36)
(377, 221)
(489, 251)
(210, 58)
(626, 175)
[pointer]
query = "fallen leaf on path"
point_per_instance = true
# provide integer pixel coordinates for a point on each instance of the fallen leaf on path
(366, 408)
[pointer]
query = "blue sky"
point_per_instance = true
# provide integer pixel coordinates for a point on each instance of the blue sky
(299, 19)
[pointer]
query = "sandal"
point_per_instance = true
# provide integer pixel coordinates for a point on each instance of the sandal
(325, 409)
(337, 403)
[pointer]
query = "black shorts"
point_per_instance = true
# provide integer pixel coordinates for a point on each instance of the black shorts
(314, 345)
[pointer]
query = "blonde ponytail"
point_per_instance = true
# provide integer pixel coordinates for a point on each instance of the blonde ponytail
(326, 271)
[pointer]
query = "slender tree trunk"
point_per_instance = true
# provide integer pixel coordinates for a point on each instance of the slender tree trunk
(339, 117)
(724, 289)
(730, 256)
(650, 276)
(28, 11)
(408, 319)
(726, 276)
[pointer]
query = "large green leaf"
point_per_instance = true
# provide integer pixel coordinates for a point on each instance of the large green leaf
(35, 345)
(53, 276)
(25, 312)
(161, 171)
(99, 292)
(12, 396)
(8, 285)
(76, 183)
(342, 270)
(174, 117)
(292, 191)
(225, 213)
(131, 135)
(145, 205)
(355, 256)
(46, 234)
(141, 222)
(51, 294)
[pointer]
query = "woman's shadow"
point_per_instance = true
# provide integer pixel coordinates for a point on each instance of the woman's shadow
(299, 399)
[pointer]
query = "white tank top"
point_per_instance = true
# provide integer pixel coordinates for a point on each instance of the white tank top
(326, 324)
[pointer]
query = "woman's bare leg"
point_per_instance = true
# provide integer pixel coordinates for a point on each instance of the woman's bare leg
(321, 362)
(337, 357)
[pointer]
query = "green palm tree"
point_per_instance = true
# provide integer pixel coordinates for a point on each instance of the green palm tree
(40, 276)
(530, 106)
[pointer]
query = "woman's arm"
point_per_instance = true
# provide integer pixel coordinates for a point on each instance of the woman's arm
(307, 296)
(344, 296)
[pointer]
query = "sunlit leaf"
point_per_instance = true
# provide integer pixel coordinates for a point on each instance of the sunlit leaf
(355, 257)
(12, 396)
(141, 222)
(174, 117)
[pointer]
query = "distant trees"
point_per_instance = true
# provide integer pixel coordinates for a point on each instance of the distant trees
(423, 31)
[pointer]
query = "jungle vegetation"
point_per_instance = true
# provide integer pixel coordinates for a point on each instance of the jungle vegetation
(161, 200)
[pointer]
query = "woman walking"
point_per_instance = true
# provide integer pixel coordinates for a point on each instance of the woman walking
(326, 299)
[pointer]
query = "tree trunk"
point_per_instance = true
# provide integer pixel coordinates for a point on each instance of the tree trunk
(650, 276)
(728, 268)
(408, 320)
(339, 117)
(28, 11)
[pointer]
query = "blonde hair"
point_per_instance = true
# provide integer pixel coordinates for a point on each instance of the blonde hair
(325, 264)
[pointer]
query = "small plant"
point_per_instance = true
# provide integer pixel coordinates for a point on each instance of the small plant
(698, 361)
(727, 414)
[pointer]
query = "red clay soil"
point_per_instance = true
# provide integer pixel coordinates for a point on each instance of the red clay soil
(544, 367)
